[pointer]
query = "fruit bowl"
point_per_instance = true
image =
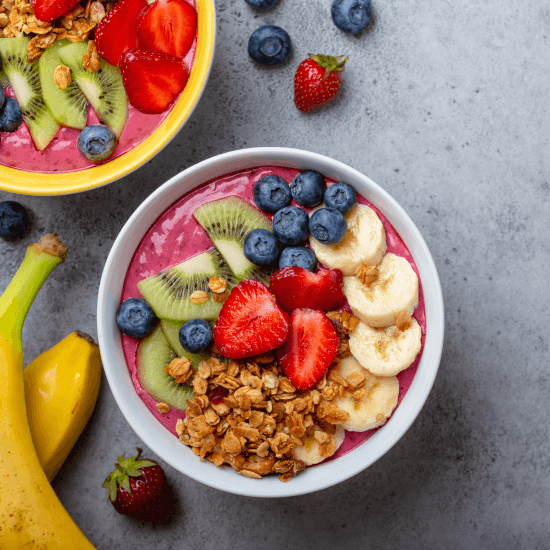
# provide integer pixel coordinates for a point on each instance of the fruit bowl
(59, 183)
(161, 440)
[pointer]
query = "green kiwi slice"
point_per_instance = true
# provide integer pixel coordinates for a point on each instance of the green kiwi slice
(153, 354)
(168, 292)
(24, 79)
(227, 222)
(171, 331)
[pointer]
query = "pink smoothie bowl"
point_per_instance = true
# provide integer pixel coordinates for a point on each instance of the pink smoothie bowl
(160, 439)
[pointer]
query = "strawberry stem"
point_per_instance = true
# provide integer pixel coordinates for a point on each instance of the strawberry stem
(330, 63)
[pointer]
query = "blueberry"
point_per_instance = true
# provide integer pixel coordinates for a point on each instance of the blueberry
(271, 193)
(10, 115)
(195, 335)
(14, 220)
(2, 96)
(299, 256)
(328, 225)
(291, 225)
(351, 16)
(261, 4)
(135, 318)
(261, 247)
(308, 188)
(269, 45)
(340, 196)
(96, 142)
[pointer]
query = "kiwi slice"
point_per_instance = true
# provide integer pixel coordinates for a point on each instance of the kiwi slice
(4, 80)
(171, 331)
(24, 79)
(103, 89)
(153, 354)
(69, 107)
(227, 222)
(168, 292)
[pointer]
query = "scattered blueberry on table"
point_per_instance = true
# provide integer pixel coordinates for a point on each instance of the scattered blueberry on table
(291, 225)
(351, 16)
(341, 196)
(269, 45)
(328, 226)
(261, 4)
(135, 318)
(14, 220)
(195, 335)
(261, 247)
(298, 256)
(96, 142)
(271, 193)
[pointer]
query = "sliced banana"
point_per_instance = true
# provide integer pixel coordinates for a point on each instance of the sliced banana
(377, 403)
(385, 351)
(388, 290)
(364, 243)
(310, 451)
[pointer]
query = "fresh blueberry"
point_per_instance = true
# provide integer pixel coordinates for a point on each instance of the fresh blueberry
(328, 225)
(14, 220)
(351, 16)
(340, 196)
(2, 96)
(96, 142)
(195, 335)
(261, 247)
(269, 45)
(261, 4)
(299, 256)
(271, 193)
(135, 318)
(10, 115)
(291, 225)
(308, 188)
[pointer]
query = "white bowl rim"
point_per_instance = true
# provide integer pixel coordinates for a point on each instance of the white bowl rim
(166, 445)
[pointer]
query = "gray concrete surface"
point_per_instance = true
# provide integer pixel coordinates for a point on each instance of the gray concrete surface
(445, 104)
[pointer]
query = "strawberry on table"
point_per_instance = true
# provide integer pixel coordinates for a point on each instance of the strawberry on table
(317, 81)
(47, 10)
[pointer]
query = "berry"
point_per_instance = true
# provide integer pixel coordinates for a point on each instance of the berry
(261, 4)
(47, 10)
(261, 247)
(217, 394)
(269, 45)
(328, 225)
(195, 335)
(138, 488)
(340, 196)
(10, 115)
(250, 322)
(308, 188)
(311, 347)
(317, 81)
(271, 193)
(291, 225)
(14, 221)
(299, 256)
(295, 288)
(135, 318)
(152, 80)
(96, 142)
(351, 16)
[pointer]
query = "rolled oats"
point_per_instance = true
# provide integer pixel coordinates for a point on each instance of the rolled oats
(198, 297)
(90, 60)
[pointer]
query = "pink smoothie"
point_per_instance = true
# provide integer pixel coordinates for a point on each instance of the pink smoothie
(176, 236)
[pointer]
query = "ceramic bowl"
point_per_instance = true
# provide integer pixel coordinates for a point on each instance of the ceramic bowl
(166, 445)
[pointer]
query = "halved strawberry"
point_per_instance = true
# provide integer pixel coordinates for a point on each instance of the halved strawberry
(152, 80)
(167, 26)
(47, 10)
(310, 349)
(117, 31)
(250, 322)
(296, 287)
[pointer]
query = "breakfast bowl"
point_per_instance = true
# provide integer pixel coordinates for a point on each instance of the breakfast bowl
(146, 234)
(60, 169)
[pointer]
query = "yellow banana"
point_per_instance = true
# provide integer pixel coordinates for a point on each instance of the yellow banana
(31, 515)
(61, 387)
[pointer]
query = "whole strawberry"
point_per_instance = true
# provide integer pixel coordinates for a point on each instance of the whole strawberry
(138, 488)
(317, 81)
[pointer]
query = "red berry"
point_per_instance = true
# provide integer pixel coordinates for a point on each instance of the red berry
(217, 394)
(250, 322)
(317, 81)
(47, 10)
(311, 347)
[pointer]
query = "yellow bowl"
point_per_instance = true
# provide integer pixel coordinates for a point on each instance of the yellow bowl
(40, 183)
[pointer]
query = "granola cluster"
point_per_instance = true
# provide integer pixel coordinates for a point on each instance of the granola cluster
(217, 286)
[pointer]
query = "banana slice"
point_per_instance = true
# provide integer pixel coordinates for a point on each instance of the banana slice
(387, 290)
(364, 244)
(385, 351)
(376, 405)
(310, 451)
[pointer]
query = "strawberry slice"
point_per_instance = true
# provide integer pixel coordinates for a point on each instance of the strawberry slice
(296, 287)
(47, 10)
(117, 31)
(310, 349)
(167, 26)
(250, 322)
(152, 80)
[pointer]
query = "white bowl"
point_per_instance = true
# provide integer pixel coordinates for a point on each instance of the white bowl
(164, 443)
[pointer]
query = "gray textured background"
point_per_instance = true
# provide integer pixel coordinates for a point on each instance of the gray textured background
(445, 104)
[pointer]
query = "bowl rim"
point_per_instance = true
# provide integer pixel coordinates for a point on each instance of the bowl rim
(139, 417)
(24, 182)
